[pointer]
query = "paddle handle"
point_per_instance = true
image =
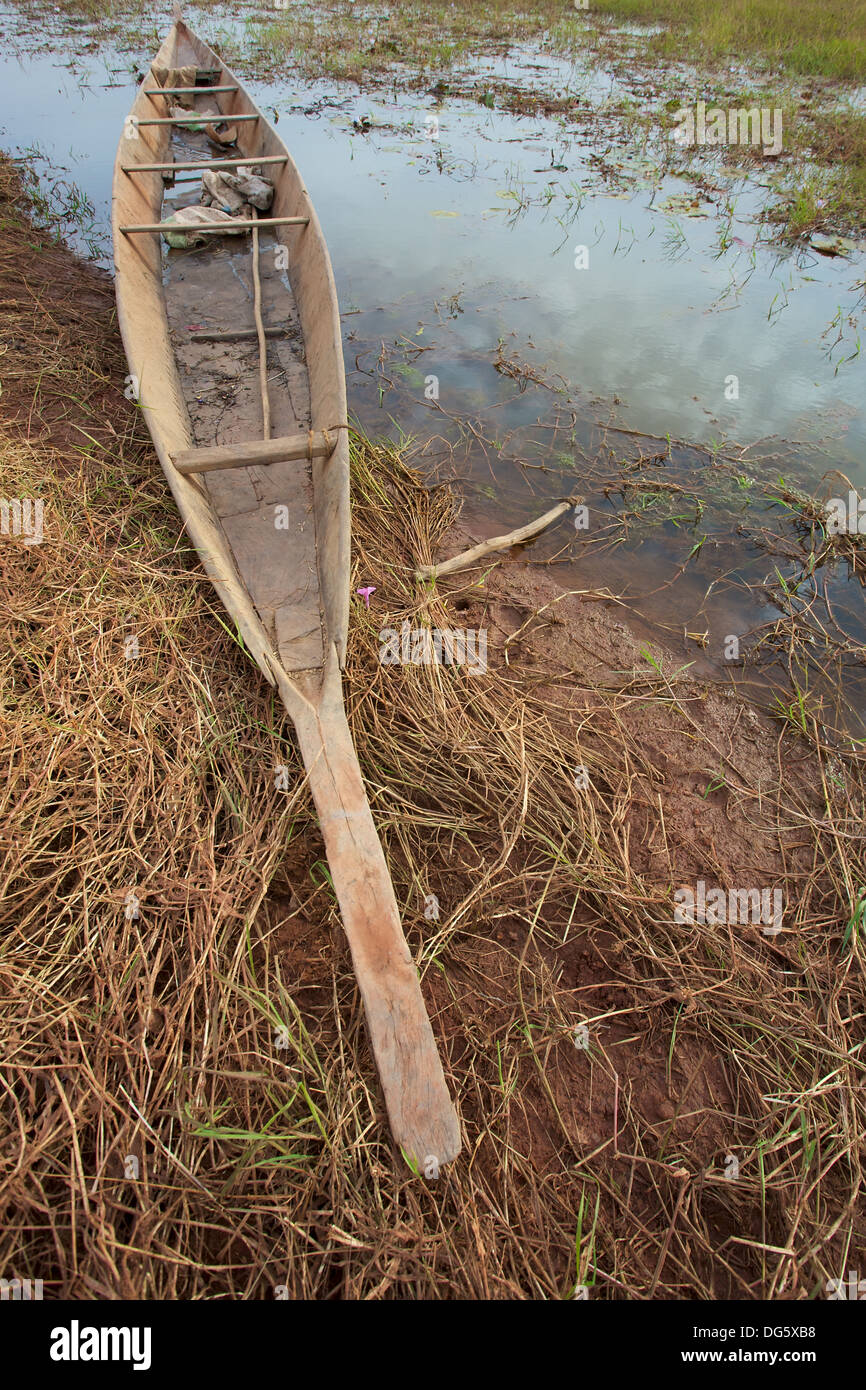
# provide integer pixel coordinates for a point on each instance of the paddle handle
(421, 1113)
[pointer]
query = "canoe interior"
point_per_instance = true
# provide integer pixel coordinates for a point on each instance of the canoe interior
(275, 538)
(266, 513)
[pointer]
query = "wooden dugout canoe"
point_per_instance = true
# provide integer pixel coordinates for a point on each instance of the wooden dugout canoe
(236, 354)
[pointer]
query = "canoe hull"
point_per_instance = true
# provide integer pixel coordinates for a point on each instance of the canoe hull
(267, 590)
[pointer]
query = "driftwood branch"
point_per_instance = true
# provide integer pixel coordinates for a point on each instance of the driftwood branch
(523, 533)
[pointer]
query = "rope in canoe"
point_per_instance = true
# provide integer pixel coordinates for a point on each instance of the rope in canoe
(330, 444)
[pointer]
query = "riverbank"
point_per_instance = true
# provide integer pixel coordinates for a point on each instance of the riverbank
(656, 1102)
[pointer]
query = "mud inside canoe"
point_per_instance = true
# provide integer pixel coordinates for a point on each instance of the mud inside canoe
(266, 512)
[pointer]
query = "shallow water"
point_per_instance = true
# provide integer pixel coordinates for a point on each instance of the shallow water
(458, 244)
(411, 221)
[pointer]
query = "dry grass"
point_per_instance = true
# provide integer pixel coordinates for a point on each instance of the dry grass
(214, 1034)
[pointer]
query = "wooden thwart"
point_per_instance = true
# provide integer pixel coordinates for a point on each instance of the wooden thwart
(188, 164)
(314, 444)
(205, 118)
(202, 73)
(237, 224)
(185, 91)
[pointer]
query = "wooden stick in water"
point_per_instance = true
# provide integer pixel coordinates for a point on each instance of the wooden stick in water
(523, 533)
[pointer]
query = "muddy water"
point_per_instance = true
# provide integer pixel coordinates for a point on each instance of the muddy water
(454, 252)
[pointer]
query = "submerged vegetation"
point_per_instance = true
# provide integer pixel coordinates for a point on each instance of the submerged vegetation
(803, 59)
(812, 38)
